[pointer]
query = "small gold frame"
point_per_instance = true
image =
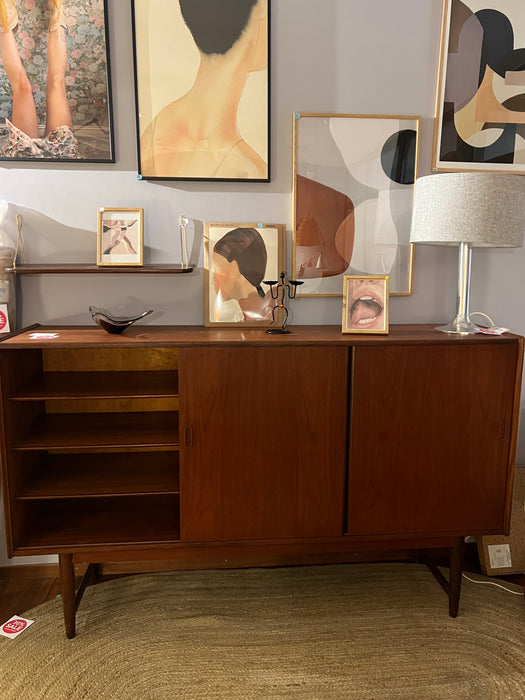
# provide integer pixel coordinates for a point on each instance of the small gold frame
(363, 296)
(120, 237)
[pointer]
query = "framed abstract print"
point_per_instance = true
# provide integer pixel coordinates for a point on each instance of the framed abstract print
(120, 239)
(63, 52)
(202, 79)
(353, 192)
(365, 304)
(238, 260)
(480, 106)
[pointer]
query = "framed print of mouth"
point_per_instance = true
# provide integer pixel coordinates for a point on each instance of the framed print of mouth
(365, 304)
(354, 179)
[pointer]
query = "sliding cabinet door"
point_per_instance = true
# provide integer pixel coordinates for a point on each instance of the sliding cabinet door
(431, 443)
(263, 433)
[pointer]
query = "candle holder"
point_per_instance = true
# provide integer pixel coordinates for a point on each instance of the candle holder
(283, 290)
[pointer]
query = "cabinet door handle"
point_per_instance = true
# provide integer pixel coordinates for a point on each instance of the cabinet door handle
(188, 436)
(502, 429)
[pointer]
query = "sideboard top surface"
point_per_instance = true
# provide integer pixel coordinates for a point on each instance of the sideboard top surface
(187, 336)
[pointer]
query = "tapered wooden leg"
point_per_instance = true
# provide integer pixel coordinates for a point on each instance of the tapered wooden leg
(67, 591)
(456, 573)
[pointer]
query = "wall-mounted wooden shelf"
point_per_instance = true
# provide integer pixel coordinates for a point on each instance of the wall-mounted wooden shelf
(83, 268)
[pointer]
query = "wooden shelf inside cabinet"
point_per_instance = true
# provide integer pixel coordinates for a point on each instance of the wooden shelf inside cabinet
(99, 521)
(80, 476)
(88, 431)
(83, 268)
(99, 385)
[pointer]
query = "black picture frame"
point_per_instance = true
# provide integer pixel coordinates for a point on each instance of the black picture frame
(180, 72)
(90, 136)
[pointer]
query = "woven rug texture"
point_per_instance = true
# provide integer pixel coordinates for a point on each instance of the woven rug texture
(358, 632)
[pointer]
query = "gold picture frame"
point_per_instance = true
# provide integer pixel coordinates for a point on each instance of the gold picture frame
(365, 304)
(238, 259)
(354, 177)
(120, 237)
(479, 121)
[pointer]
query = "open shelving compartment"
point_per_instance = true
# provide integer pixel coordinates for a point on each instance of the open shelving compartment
(93, 451)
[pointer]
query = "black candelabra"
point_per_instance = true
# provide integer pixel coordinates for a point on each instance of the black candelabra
(280, 291)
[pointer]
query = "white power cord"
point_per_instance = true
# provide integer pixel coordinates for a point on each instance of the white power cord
(489, 330)
(492, 583)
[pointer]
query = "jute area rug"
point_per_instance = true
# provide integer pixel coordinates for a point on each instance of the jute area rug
(357, 631)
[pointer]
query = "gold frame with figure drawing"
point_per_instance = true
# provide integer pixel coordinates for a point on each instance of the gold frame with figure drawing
(120, 237)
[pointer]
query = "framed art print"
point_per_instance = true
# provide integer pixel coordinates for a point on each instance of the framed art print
(353, 192)
(202, 79)
(480, 105)
(238, 260)
(365, 304)
(63, 53)
(120, 239)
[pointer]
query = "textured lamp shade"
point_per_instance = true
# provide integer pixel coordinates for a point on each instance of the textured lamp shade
(482, 209)
(467, 210)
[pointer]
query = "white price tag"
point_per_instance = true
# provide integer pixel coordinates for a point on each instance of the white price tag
(42, 336)
(499, 555)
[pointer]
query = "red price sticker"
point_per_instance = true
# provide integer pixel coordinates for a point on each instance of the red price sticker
(15, 626)
(3, 321)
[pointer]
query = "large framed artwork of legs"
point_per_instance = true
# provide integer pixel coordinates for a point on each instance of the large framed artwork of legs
(55, 85)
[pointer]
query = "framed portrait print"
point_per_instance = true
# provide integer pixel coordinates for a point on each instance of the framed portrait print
(354, 181)
(120, 239)
(365, 304)
(70, 44)
(202, 87)
(238, 260)
(480, 105)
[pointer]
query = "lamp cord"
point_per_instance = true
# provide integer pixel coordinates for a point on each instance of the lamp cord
(489, 330)
(479, 313)
(492, 583)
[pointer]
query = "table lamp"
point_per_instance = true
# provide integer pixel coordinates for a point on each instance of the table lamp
(467, 210)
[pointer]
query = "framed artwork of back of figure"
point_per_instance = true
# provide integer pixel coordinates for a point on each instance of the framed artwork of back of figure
(202, 89)
(61, 49)
(480, 106)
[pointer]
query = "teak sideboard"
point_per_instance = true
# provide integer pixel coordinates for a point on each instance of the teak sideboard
(231, 447)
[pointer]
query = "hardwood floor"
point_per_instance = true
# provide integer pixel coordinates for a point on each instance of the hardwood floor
(24, 587)
(21, 593)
